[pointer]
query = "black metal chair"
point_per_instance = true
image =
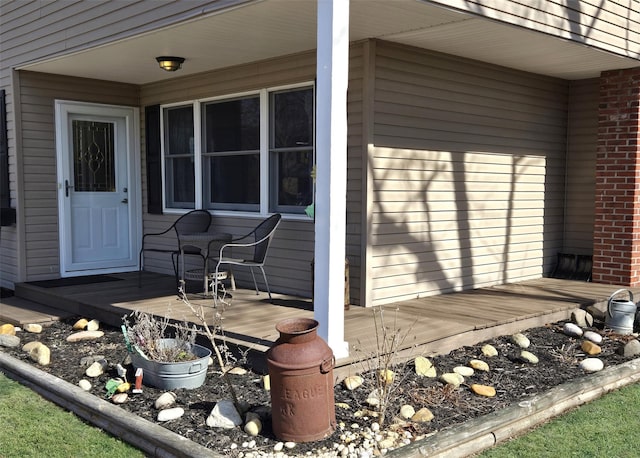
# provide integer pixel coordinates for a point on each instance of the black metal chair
(192, 222)
(258, 240)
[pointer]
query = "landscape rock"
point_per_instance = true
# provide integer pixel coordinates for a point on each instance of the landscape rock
(119, 398)
(597, 313)
(592, 336)
(520, 340)
(631, 348)
(452, 378)
(253, 424)
(85, 335)
(407, 411)
(170, 414)
(9, 341)
(422, 416)
(386, 376)
(479, 365)
(30, 346)
(93, 325)
(465, 371)
(483, 390)
(591, 365)
(96, 369)
(236, 370)
(7, 329)
(374, 398)
(591, 348)
(80, 324)
(386, 443)
(85, 384)
(572, 330)
(224, 415)
(165, 400)
(41, 354)
(424, 367)
(489, 351)
(33, 328)
(529, 357)
(352, 382)
(582, 318)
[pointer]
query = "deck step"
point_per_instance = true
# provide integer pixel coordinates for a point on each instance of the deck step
(20, 311)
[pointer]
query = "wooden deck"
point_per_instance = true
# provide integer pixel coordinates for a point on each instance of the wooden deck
(433, 325)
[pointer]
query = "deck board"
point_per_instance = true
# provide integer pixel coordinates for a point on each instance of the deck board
(434, 324)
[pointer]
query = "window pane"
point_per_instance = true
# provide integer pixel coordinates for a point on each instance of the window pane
(292, 118)
(234, 179)
(178, 130)
(232, 125)
(179, 181)
(294, 182)
(178, 155)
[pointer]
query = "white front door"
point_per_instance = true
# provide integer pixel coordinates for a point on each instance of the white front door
(98, 194)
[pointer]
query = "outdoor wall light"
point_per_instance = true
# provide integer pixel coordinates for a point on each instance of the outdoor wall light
(170, 63)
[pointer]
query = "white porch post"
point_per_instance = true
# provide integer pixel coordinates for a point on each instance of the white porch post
(331, 171)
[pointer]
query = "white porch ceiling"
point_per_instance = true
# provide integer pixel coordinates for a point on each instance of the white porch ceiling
(269, 28)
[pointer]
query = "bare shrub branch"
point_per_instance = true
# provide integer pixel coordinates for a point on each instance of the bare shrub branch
(382, 369)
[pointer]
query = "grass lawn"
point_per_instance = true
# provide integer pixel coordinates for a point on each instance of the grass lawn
(31, 426)
(607, 427)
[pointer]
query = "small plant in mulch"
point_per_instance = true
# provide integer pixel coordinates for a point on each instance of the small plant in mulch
(438, 395)
(148, 335)
(382, 369)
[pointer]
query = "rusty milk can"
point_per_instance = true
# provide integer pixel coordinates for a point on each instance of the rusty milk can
(301, 372)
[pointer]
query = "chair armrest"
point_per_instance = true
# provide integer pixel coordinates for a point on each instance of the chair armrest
(154, 234)
(233, 244)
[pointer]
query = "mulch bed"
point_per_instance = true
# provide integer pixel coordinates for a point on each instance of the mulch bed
(513, 380)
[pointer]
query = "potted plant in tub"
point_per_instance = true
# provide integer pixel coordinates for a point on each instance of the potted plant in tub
(167, 362)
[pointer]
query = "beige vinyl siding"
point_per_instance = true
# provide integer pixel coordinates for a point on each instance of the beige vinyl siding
(609, 25)
(467, 174)
(289, 263)
(581, 166)
(43, 29)
(355, 197)
(37, 93)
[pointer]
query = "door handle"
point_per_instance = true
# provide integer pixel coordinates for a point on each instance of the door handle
(66, 187)
(125, 201)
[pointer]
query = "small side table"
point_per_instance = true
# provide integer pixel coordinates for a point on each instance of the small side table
(203, 241)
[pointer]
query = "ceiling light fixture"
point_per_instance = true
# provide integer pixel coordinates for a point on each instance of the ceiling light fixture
(170, 63)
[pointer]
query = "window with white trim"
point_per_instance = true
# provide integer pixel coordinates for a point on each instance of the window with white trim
(251, 152)
(178, 153)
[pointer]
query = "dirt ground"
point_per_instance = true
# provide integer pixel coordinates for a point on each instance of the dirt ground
(513, 379)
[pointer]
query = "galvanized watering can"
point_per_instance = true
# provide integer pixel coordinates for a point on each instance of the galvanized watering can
(620, 313)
